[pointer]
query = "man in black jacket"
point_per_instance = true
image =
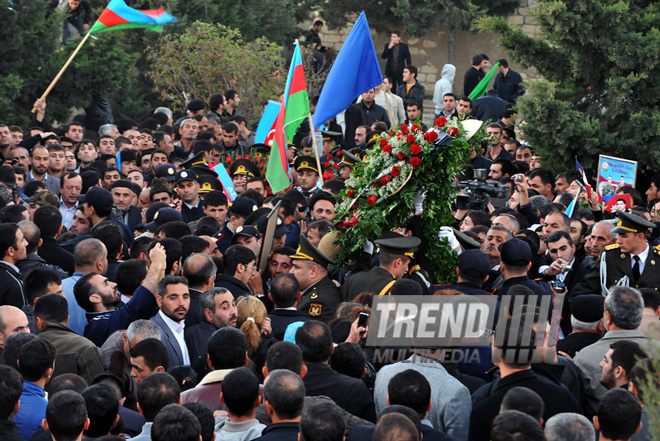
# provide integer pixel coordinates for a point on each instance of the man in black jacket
(397, 55)
(13, 247)
(411, 91)
(285, 293)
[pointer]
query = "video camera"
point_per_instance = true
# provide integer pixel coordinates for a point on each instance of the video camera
(480, 191)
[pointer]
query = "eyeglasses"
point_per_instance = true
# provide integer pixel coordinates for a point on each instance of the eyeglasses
(254, 267)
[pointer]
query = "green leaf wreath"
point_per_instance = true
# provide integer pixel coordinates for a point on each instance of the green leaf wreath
(379, 194)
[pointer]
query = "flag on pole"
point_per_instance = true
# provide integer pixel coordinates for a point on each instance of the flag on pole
(295, 92)
(266, 122)
(118, 15)
(354, 71)
(571, 207)
(225, 180)
(480, 89)
(294, 109)
(581, 172)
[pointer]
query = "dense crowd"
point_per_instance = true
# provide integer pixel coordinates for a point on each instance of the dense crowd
(140, 297)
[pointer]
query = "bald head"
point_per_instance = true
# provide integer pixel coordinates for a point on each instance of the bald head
(12, 321)
(32, 234)
(200, 271)
(90, 255)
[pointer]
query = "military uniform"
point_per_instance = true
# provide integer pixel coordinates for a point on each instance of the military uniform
(379, 280)
(615, 267)
(321, 299)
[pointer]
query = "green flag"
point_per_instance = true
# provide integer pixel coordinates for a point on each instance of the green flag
(480, 89)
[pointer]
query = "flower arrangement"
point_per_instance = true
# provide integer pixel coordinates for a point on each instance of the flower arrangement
(379, 194)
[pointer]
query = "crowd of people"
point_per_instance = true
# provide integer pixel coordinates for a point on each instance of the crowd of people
(140, 298)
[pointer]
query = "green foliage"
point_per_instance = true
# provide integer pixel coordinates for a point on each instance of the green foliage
(601, 91)
(417, 16)
(213, 58)
(379, 193)
(27, 38)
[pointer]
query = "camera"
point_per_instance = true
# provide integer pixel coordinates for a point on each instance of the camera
(558, 286)
(480, 191)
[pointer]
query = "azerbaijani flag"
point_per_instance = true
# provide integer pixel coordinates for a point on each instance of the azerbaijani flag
(480, 89)
(118, 15)
(294, 109)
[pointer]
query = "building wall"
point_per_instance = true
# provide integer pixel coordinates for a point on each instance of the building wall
(430, 52)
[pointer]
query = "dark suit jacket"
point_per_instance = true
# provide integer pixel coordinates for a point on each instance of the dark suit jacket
(134, 217)
(488, 108)
(194, 316)
(281, 318)
(349, 393)
(366, 433)
(53, 254)
(235, 286)
(197, 338)
(402, 61)
(487, 400)
(170, 342)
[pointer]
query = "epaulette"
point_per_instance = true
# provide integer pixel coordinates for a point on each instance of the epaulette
(657, 247)
(612, 247)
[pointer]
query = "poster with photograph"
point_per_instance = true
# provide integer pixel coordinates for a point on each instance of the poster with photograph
(619, 202)
(614, 173)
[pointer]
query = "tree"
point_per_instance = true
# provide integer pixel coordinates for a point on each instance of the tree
(213, 58)
(601, 92)
(418, 17)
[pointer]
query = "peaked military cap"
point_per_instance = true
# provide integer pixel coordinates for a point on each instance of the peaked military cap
(305, 163)
(348, 160)
(307, 251)
(198, 159)
(208, 183)
(631, 223)
(245, 230)
(244, 167)
(405, 246)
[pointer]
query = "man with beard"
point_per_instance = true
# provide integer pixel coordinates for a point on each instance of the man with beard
(187, 188)
(122, 197)
(39, 172)
(618, 363)
(366, 113)
(174, 301)
(218, 310)
(22, 158)
(98, 297)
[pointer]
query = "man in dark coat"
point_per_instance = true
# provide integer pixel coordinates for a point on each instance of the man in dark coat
(397, 55)
(315, 340)
(394, 258)
(285, 293)
(489, 107)
(587, 322)
(411, 91)
(240, 266)
(474, 74)
(320, 297)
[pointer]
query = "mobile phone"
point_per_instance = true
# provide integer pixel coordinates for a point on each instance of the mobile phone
(363, 320)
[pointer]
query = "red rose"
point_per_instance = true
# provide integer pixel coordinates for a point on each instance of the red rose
(415, 162)
(404, 130)
(410, 139)
(415, 149)
(416, 128)
(327, 176)
(326, 165)
(392, 132)
(453, 131)
(353, 222)
(247, 156)
(336, 165)
(396, 171)
(431, 136)
(239, 157)
(339, 153)
(372, 200)
(350, 193)
(440, 122)
(382, 142)
(400, 155)
(329, 156)
(345, 224)
(399, 136)
(387, 148)
(384, 180)
(376, 184)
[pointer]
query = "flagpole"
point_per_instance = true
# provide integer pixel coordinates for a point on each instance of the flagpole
(59, 75)
(316, 152)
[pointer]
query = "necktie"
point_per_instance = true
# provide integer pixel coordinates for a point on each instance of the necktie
(635, 268)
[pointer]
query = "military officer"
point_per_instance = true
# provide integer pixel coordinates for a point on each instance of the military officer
(308, 173)
(240, 171)
(395, 255)
(631, 261)
(320, 296)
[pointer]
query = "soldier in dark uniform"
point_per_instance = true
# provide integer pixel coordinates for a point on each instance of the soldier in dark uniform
(587, 322)
(394, 257)
(240, 171)
(320, 296)
(308, 173)
(631, 261)
(472, 272)
(238, 212)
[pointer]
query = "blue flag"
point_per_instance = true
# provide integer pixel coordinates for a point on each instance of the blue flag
(266, 122)
(355, 71)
